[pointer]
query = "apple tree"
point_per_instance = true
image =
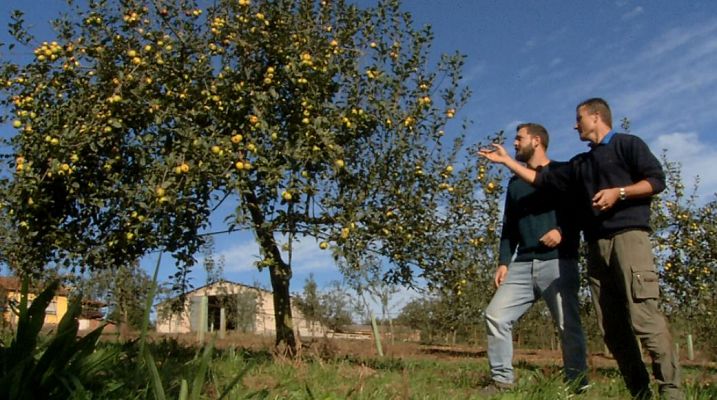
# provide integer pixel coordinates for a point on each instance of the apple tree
(315, 118)
(686, 249)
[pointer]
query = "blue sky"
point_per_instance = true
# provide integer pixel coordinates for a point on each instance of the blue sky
(655, 62)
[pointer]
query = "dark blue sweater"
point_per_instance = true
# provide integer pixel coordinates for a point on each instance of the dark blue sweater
(625, 159)
(529, 214)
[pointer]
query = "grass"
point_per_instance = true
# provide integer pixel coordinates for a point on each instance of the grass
(241, 373)
(63, 366)
(392, 378)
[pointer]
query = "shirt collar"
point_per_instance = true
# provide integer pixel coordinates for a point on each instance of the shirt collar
(605, 140)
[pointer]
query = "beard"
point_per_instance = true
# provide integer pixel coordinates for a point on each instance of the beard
(523, 154)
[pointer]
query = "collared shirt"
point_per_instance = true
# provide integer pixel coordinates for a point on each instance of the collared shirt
(605, 140)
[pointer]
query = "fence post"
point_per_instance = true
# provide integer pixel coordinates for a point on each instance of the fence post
(376, 335)
(203, 320)
(222, 322)
(690, 348)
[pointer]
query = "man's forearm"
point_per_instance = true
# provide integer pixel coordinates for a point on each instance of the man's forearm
(521, 170)
(639, 189)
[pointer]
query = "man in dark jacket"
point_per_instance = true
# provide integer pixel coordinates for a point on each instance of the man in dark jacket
(615, 181)
(538, 259)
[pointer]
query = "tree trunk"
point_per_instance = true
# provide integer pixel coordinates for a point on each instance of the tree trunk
(280, 274)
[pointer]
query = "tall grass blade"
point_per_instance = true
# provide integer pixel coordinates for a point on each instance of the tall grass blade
(183, 390)
(198, 381)
(148, 305)
(156, 381)
(31, 319)
(235, 380)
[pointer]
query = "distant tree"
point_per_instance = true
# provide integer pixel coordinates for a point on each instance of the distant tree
(242, 308)
(124, 289)
(213, 267)
(309, 302)
(336, 307)
(421, 314)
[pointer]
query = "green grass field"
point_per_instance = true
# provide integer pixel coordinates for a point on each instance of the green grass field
(262, 375)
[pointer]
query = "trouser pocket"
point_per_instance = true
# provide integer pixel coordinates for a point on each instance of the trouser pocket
(645, 284)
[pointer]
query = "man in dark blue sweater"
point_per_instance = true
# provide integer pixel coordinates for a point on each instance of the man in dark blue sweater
(615, 181)
(538, 259)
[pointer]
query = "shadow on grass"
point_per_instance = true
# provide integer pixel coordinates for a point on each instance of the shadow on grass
(453, 352)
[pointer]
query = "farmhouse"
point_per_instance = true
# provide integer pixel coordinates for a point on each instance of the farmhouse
(232, 306)
(10, 293)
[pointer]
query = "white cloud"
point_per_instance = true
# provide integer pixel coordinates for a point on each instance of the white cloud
(396, 301)
(678, 38)
(696, 158)
(527, 71)
(660, 82)
(473, 73)
(530, 44)
(547, 41)
(664, 86)
(633, 13)
(510, 128)
(240, 257)
(305, 256)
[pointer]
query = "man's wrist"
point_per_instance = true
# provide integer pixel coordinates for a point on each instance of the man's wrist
(622, 195)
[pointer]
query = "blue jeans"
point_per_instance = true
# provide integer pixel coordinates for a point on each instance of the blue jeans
(556, 281)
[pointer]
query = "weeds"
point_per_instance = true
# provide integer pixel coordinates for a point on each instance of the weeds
(60, 367)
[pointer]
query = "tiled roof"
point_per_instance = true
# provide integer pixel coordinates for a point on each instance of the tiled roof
(10, 282)
(14, 283)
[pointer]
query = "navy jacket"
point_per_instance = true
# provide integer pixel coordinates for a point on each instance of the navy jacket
(622, 161)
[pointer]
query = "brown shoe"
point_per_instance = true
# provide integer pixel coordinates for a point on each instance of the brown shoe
(496, 387)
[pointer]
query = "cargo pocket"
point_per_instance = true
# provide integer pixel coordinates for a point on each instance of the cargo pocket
(645, 285)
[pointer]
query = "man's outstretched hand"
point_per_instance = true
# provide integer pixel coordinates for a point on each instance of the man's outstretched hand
(496, 154)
